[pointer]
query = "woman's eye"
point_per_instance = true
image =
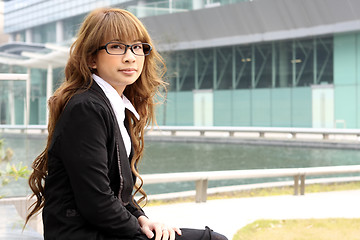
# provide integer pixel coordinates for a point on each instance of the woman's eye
(137, 47)
(116, 46)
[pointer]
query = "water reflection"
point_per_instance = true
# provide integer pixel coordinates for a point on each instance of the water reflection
(163, 157)
(181, 157)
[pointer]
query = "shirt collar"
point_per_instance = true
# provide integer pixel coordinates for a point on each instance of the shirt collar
(110, 92)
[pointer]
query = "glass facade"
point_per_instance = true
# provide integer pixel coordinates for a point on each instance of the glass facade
(71, 26)
(260, 84)
(282, 64)
(13, 97)
(271, 107)
(44, 33)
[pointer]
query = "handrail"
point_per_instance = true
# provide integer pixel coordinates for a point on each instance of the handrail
(8, 126)
(325, 132)
(23, 128)
(262, 131)
(202, 178)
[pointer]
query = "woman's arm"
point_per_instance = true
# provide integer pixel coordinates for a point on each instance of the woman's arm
(135, 209)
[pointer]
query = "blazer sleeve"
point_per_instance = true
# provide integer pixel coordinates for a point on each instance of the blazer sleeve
(84, 153)
(135, 209)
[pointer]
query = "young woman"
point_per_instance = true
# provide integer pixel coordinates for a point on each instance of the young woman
(84, 179)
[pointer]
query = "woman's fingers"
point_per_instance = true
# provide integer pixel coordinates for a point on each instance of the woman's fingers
(146, 230)
(172, 234)
(177, 230)
(158, 232)
(165, 234)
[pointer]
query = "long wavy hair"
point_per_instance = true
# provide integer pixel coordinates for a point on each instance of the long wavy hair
(99, 26)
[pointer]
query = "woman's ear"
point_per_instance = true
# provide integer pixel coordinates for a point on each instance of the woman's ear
(92, 63)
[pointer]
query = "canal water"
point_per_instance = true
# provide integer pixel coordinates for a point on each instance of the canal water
(167, 157)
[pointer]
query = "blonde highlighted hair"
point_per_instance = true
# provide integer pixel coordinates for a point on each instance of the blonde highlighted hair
(99, 26)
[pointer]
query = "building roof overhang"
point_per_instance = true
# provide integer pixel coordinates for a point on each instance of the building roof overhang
(34, 55)
(253, 22)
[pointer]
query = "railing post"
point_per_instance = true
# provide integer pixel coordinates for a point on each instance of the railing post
(296, 185)
(302, 184)
(201, 190)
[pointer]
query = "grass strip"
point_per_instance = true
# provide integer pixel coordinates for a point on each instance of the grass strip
(303, 229)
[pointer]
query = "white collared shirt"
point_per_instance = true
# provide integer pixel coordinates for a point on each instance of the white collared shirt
(118, 103)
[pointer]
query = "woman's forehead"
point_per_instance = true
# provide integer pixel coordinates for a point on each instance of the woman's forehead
(125, 41)
(124, 38)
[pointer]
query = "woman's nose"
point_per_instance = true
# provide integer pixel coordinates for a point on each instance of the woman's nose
(129, 56)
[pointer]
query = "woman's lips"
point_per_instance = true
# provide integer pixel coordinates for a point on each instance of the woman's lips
(128, 70)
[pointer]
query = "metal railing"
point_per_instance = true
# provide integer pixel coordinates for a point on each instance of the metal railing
(201, 178)
(231, 131)
(262, 131)
(23, 128)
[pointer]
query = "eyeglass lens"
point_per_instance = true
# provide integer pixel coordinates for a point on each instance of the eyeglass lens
(140, 49)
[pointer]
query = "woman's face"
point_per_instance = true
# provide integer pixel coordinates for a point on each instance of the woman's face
(118, 70)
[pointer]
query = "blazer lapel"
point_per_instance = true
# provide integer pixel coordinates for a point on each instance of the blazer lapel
(126, 180)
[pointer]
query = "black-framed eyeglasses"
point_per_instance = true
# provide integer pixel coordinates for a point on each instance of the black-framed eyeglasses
(118, 48)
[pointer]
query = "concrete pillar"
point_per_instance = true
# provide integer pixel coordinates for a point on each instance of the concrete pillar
(12, 37)
(201, 190)
(59, 32)
(49, 88)
(170, 6)
(197, 4)
(28, 36)
(28, 92)
(141, 9)
(11, 99)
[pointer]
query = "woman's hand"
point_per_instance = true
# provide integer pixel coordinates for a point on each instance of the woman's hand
(162, 232)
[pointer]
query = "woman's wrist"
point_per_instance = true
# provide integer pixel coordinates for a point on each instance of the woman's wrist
(142, 220)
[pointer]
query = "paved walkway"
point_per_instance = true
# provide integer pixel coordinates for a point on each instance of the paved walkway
(224, 216)
(227, 216)
(11, 226)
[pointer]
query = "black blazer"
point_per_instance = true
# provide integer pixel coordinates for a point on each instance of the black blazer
(89, 183)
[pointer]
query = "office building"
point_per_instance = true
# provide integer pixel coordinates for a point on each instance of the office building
(268, 63)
